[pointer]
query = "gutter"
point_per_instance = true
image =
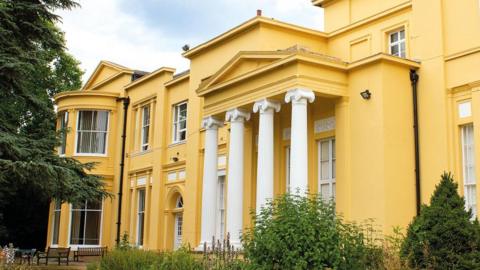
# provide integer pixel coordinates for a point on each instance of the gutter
(126, 102)
(414, 81)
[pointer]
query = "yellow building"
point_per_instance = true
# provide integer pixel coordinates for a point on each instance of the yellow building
(268, 107)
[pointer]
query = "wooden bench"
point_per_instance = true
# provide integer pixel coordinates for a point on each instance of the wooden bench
(89, 252)
(54, 253)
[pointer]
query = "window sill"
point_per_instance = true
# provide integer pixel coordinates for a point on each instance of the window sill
(177, 143)
(89, 155)
(140, 153)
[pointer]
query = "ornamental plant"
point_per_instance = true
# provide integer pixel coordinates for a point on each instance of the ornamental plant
(443, 236)
(304, 232)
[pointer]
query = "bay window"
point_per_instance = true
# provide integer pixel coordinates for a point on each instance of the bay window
(56, 222)
(85, 223)
(92, 132)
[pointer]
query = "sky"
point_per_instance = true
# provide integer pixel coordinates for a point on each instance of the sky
(149, 34)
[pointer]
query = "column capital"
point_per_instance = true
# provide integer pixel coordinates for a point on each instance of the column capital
(237, 115)
(299, 95)
(265, 105)
(211, 122)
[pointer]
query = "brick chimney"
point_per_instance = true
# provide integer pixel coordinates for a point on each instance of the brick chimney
(259, 12)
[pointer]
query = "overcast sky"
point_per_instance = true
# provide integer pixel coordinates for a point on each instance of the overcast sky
(148, 34)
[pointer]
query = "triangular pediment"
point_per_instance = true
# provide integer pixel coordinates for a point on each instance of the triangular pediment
(104, 72)
(241, 64)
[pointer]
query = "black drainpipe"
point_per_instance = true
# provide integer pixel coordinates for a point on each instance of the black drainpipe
(126, 102)
(414, 81)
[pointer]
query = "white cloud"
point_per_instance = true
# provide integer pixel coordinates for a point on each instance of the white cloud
(106, 30)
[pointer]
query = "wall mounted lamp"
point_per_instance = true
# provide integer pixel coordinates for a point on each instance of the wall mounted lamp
(366, 94)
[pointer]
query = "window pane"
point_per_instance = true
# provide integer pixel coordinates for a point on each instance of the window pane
(92, 205)
(394, 50)
(325, 170)
(325, 191)
(325, 155)
(101, 120)
(92, 228)
(394, 37)
(402, 34)
(76, 233)
(85, 120)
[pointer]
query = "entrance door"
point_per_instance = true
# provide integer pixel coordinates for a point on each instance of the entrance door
(178, 231)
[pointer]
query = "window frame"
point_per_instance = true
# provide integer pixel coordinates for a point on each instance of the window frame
(100, 234)
(144, 146)
(175, 122)
(140, 238)
(63, 126)
(221, 221)
(398, 42)
(76, 153)
(287, 169)
(331, 180)
(466, 166)
(54, 215)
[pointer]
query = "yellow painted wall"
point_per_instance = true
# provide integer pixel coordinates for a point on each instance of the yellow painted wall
(375, 174)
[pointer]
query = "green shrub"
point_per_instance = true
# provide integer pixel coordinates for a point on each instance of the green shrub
(132, 258)
(127, 260)
(443, 235)
(298, 232)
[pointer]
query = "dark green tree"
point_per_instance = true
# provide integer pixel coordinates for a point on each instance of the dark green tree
(34, 66)
(443, 236)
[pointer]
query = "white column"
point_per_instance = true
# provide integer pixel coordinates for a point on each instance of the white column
(210, 179)
(299, 139)
(266, 108)
(236, 117)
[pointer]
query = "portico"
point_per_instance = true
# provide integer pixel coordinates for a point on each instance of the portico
(288, 99)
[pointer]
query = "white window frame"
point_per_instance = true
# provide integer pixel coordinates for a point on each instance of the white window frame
(75, 246)
(221, 203)
(63, 125)
(56, 211)
(287, 169)
(141, 212)
(176, 123)
(106, 137)
(468, 163)
(145, 125)
(331, 179)
(177, 243)
(398, 43)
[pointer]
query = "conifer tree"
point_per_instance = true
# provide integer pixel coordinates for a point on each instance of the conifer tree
(443, 236)
(34, 66)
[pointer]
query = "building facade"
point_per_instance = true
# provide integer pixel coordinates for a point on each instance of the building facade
(270, 107)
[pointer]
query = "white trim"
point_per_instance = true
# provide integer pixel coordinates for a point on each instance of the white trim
(106, 137)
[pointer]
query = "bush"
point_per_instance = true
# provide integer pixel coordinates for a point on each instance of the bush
(132, 258)
(297, 232)
(443, 235)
